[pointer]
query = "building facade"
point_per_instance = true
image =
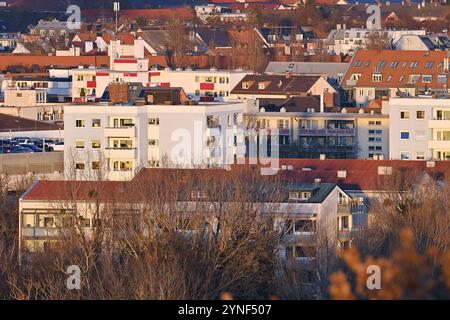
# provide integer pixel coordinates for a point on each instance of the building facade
(118, 140)
(419, 128)
(201, 85)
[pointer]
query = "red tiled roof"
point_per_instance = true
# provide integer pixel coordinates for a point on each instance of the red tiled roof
(360, 174)
(164, 13)
(396, 67)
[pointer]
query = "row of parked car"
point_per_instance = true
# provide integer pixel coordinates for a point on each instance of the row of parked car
(30, 145)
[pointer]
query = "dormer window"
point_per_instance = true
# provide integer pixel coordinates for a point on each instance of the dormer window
(198, 194)
(377, 77)
(262, 85)
(245, 85)
(299, 195)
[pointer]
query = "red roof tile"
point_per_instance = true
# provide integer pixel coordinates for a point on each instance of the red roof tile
(396, 67)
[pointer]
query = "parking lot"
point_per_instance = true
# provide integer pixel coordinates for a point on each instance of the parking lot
(30, 145)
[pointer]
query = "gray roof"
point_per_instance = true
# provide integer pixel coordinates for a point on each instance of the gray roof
(320, 191)
(51, 25)
(159, 40)
(326, 69)
(217, 37)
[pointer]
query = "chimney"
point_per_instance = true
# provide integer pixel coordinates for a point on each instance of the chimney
(322, 103)
(287, 75)
(118, 93)
(323, 156)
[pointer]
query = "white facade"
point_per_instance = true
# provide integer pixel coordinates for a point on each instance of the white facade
(419, 128)
(200, 85)
(119, 140)
(347, 41)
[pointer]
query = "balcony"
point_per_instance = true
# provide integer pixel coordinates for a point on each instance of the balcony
(40, 232)
(121, 153)
(439, 144)
(344, 210)
(326, 132)
(125, 131)
(345, 234)
(213, 132)
(435, 123)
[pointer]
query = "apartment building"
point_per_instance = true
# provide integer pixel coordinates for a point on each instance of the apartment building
(56, 83)
(419, 128)
(378, 74)
(200, 85)
(307, 129)
(305, 212)
(127, 64)
(348, 41)
(117, 140)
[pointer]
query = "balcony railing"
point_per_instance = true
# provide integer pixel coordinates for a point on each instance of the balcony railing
(344, 234)
(40, 232)
(326, 132)
(344, 209)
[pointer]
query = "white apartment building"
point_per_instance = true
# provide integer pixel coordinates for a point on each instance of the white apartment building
(201, 85)
(116, 141)
(307, 213)
(347, 41)
(127, 64)
(419, 128)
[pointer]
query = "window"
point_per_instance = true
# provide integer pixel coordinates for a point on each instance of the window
(382, 64)
(377, 77)
(95, 165)
(414, 64)
(420, 155)
(96, 123)
(405, 156)
(394, 64)
(442, 78)
(378, 123)
(95, 144)
(85, 222)
(414, 78)
(426, 78)
(299, 195)
(197, 79)
(420, 114)
(401, 79)
(197, 92)
(245, 85)
(404, 114)
(429, 64)
(79, 123)
(153, 164)
(79, 144)
(389, 78)
(153, 142)
(358, 63)
(404, 135)
(153, 122)
(344, 222)
(302, 225)
(79, 166)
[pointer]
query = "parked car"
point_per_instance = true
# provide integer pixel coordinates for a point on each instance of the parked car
(32, 147)
(59, 146)
(22, 141)
(16, 149)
